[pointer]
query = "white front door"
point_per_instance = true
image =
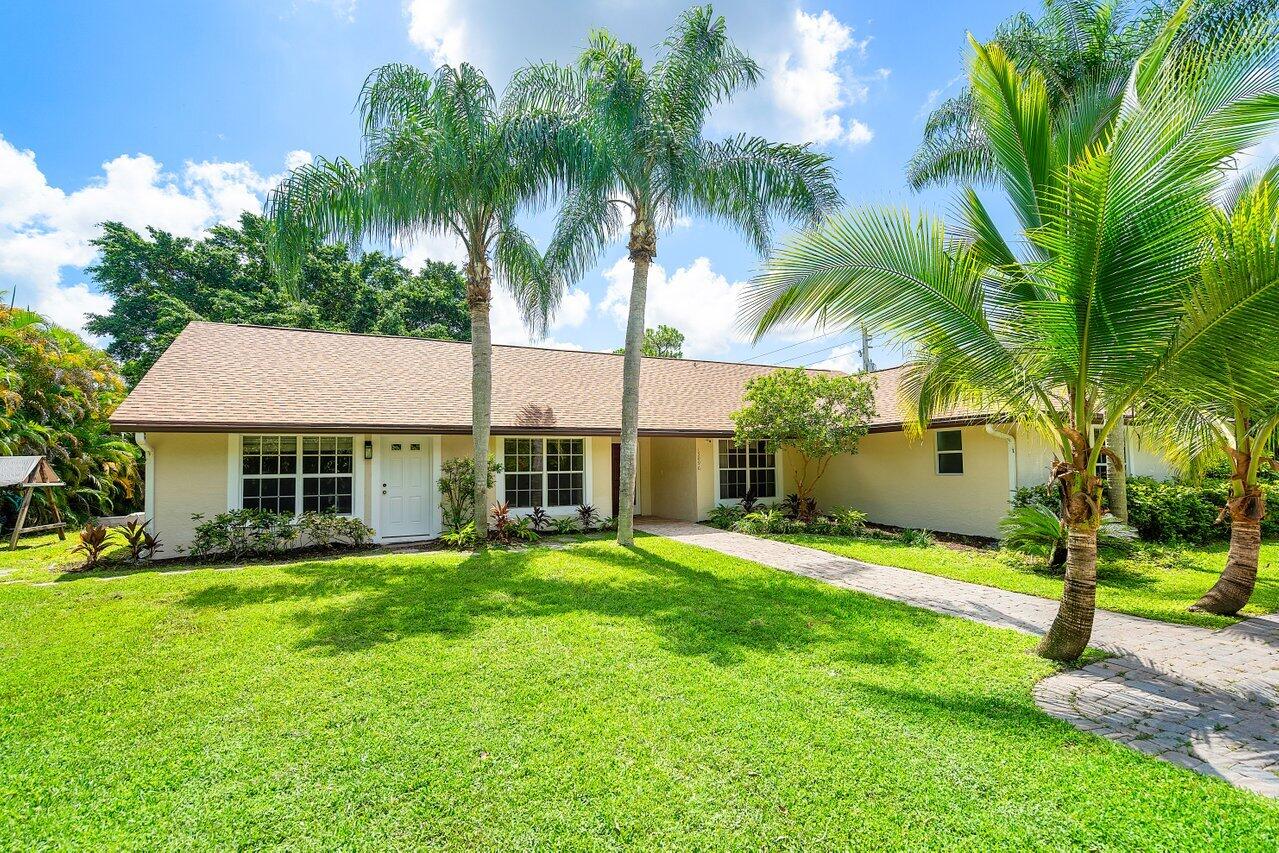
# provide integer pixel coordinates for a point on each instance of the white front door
(406, 485)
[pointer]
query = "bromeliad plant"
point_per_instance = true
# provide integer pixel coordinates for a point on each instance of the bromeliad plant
(638, 154)
(1071, 329)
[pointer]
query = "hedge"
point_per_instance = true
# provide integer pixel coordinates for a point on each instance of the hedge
(1175, 512)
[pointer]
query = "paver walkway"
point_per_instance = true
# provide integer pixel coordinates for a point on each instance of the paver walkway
(1207, 700)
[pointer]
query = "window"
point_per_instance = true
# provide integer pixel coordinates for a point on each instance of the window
(268, 470)
(326, 473)
(269, 473)
(746, 468)
(544, 472)
(1103, 464)
(950, 452)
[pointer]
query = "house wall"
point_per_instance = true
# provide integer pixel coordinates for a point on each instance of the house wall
(673, 478)
(190, 477)
(1035, 455)
(894, 480)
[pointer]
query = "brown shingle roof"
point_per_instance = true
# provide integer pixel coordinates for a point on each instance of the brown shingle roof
(217, 377)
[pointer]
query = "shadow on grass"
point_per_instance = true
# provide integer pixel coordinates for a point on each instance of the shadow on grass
(357, 605)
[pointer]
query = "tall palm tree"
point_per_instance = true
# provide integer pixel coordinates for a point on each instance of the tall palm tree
(1219, 398)
(1071, 331)
(640, 154)
(440, 157)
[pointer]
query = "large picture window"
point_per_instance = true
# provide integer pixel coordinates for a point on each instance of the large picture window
(743, 468)
(290, 474)
(547, 472)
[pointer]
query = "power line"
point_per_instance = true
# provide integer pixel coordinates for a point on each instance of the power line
(814, 352)
(797, 343)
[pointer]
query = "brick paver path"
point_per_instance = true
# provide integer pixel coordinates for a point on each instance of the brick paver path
(1207, 700)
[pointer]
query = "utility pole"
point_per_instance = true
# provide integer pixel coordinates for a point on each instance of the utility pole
(867, 364)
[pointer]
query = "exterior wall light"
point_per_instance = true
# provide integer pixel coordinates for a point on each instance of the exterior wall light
(368, 450)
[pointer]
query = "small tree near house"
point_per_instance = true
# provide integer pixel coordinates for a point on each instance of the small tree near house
(819, 415)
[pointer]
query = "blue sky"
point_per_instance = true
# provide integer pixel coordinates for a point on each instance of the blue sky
(179, 115)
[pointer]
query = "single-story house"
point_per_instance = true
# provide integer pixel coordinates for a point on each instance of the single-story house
(293, 420)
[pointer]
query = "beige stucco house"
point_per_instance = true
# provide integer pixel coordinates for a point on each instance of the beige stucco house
(293, 420)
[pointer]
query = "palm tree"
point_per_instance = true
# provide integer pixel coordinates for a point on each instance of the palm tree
(640, 153)
(440, 157)
(1072, 331)
(1219, 398)
(1078, 46)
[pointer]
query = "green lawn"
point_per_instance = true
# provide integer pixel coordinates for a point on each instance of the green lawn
(1156, 582)
(590, 697)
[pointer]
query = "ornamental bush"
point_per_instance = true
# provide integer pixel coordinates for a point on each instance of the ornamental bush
(1187, 512)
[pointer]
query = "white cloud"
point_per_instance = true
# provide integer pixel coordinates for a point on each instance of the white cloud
(437, 27)
(695, 299)
(810, 85)
(45, 229)
(845, 357)
(432, 247)
(508, 328)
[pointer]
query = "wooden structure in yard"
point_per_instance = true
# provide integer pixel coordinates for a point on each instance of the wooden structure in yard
(30, 473)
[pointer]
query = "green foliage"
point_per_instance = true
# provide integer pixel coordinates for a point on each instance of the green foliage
(587, 517)
(539, 518)
(608, 522)
(765, 521)
(724, 516)
(503, 523)
(819, 415)
(464, 538)
(1187, 512)
(240, 533)
(159, 283)
(564, 524)
(916, 538)
(522, 529)
(457, 489)
(93, 544)
(56, 393)
(848, 522)
(140, 542)
(324, 529)
(1038, 531)
(662, 342)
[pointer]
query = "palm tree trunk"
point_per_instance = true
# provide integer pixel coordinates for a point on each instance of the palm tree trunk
(1071, 630)
(1116, 476)
(643, 247)
(479, 299)
(1233, 589)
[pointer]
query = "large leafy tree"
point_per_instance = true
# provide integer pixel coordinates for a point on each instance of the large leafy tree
(158, 283)
(56, 393)
(638, 161)
(662, 342)
(1072, 328)
(440, 157)
(1219, 399)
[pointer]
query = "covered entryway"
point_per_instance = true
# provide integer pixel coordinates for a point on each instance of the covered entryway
(405, 490)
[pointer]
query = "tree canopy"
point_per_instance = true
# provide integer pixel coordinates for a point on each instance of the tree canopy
(662, 342)
(819, 415)
(160, 282)
(56, 393)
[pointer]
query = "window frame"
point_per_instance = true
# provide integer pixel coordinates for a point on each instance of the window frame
(545, 472)
(938, 453)
(778, 479)
(236, 477)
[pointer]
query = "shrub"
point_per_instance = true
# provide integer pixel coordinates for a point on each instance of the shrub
(848, 522)
(1038, 531)
(522, 529)
(724, 517)
(457, 489)
(540, 518)
(326, 528)
(463, 539)
(564, 524)
(587, 516)
(93, 544)
(608, 523)
(800, 509)
(239, 533)
(749, 501)
(1179, 512)
(138, 540)
(502, 522)
(768, 520)
(916, 538)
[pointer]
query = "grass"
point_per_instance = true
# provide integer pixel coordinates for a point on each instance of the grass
(589, 697)
(1155, 582)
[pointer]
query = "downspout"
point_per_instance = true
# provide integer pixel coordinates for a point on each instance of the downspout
(1012, 460)
(148, 481)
